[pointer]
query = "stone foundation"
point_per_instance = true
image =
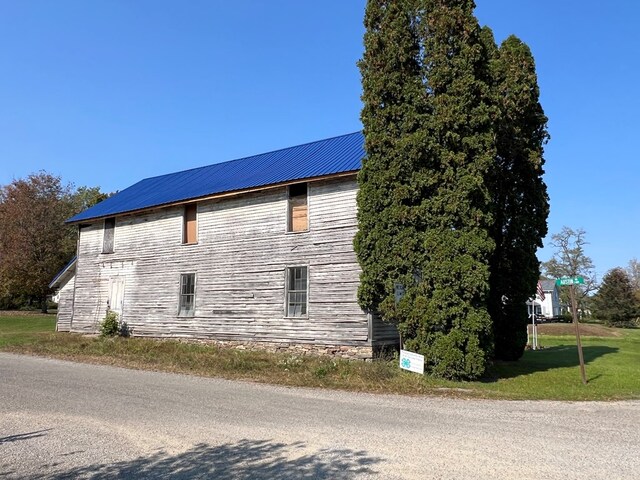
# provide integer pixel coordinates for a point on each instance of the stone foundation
(339, 351)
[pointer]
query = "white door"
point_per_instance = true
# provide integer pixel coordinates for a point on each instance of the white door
(116, 295)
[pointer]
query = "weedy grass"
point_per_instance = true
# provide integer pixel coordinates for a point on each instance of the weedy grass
(549, 373)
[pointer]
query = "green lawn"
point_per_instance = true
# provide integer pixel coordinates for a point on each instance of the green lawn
(25, 329)
(612, 364)
(612, 368)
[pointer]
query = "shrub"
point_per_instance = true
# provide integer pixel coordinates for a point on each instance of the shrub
(566, 317)
(110, 326)
(124, 330)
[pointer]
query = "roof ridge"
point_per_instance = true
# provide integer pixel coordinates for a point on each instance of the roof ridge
(250, 156)
(314, 159)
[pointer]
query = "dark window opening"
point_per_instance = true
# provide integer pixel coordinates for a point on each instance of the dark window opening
(190, 227)
(298, 215)
(108, 238)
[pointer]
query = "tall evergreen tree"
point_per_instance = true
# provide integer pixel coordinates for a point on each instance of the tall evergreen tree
(452, 206)
(454, 327)
(521, 203)
(424, 204)
(393, 98)
(615, 304)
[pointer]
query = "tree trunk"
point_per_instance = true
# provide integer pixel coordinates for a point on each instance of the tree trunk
(44, 304)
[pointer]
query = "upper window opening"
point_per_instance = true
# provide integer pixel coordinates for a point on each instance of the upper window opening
(109, 230)
(298, 215)
(190, 227)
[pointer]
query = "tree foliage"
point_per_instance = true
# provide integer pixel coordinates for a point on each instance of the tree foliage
(633, 270)
(570, 260)
(86, 197)
(451, 205)
(387, 241)
(425, 199)
(615, 304)
(521, 203)
(34, 242)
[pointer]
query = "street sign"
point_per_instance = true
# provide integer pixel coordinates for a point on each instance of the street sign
(569, 281)
(413, 362)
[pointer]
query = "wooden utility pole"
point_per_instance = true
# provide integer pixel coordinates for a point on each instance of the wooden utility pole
(574, 311)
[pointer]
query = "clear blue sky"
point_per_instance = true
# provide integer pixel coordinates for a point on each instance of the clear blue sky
(109, 92)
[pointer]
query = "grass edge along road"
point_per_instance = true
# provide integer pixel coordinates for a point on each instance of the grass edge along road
(548, 374)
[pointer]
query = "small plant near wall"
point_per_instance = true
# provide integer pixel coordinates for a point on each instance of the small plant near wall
(110, 326)
(124, 330)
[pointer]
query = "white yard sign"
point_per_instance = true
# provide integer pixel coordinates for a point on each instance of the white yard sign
(411, 361)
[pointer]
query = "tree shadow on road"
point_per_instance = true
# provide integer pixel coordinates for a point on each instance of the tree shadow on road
(246, 459)
(545, 359)
(23, 436)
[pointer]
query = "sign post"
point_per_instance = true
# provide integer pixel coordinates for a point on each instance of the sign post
(572, 282)
(533, 338)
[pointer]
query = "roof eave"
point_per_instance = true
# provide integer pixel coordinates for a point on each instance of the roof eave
(62, 273)
(214, 196)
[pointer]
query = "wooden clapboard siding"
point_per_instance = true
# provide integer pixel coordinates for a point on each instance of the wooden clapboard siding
(65, 305)
(383, 333)
(240, 258)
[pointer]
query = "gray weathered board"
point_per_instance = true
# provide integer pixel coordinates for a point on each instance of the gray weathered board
(239, 260)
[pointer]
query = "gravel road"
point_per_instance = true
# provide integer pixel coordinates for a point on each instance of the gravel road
(67, 420)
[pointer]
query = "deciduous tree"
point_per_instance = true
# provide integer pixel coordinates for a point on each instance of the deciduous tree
(570, 260)
(34, 241)
(633, 270)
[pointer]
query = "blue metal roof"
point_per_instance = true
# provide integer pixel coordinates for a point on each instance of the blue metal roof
(324, 157)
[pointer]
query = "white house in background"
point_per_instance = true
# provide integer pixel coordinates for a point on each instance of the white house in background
(254, 251)
(549, 307)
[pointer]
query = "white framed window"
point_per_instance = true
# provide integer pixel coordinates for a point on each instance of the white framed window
(297, 291)
(187, 301)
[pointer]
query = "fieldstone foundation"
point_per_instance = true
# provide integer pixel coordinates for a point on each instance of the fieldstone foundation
(340, 351)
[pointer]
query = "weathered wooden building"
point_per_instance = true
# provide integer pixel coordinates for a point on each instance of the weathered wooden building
(253, 251)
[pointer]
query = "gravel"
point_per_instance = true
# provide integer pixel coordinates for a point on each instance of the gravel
(67, 420)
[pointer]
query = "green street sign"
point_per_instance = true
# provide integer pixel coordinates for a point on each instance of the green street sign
(569, 281)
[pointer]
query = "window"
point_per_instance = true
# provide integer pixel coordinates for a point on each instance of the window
(186, 307)
(190, 226)
(297, 291)
(298, 215)
(109, 230)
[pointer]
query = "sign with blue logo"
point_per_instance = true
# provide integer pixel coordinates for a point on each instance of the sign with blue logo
(413, 362)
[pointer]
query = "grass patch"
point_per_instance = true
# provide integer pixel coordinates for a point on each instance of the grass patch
(550, 373)
(16, 330)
